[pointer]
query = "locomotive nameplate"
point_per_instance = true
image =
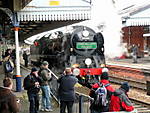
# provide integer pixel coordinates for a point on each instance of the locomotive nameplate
(86, 45)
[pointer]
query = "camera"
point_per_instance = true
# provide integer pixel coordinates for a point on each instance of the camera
(18, 101)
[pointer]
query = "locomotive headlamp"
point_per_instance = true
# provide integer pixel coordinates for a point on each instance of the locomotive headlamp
(88, 61)
(71, 49)
(85, 33)
(105, 70)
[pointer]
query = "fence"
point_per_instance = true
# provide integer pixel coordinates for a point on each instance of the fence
(82, 101)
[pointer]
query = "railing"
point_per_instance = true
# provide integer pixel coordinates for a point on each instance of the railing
(82, 101)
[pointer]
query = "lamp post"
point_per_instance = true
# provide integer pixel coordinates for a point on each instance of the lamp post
(15, 24)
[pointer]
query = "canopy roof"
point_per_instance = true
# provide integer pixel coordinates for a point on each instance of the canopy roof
(136, 16)
(58, 10)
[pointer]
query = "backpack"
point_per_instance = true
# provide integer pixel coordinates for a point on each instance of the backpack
(42, 78)
(26, 82)
(8, 67)
(101, 95)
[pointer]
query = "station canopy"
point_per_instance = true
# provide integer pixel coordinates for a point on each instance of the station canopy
(137, 15)
(138, 21)
(55, 10)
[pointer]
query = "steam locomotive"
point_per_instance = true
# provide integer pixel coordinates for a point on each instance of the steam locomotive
(83, 48)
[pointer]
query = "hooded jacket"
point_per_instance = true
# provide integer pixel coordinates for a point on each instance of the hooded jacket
(110, 91)
(8, 101)
(120, 101)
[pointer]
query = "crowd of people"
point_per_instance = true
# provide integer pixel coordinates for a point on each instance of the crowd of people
(105, 97)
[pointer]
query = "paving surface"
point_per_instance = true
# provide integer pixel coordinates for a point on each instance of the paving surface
(142, 63)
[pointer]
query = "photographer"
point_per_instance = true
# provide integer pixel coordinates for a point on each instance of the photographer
(31, 84)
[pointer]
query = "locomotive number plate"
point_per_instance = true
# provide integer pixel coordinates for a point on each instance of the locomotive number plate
(86, 45)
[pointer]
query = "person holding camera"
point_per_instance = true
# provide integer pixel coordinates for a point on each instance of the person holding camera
(32, 85)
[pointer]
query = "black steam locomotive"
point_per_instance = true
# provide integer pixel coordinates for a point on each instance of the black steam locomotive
(82, 48)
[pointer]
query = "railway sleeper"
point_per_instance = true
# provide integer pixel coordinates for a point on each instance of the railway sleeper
(137, 106)
(144, 111)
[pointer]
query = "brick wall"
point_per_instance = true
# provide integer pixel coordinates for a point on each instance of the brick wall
(134, 35)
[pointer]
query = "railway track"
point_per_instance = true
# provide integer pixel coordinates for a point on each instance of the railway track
(133, 83)
(136, 77)
(141, 107)
(137, 80)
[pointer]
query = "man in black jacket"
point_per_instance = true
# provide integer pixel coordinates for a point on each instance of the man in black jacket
(33, 88)
(66, 90)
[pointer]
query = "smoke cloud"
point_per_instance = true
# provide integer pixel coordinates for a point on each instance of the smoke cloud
(105, 19)
(104, 13)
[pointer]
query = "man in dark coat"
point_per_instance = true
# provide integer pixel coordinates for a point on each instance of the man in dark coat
(26, 58)
(66, 90)
(134, 53)
(8, 101)
(33, 87)
(120, 100)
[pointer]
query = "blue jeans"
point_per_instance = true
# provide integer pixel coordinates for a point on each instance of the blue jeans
(46, 103)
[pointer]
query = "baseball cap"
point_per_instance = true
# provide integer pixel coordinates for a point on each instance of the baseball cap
(45, 63)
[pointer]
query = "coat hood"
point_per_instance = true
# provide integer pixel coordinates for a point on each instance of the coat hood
(119, 92)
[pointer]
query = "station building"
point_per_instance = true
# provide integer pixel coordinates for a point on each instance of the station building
(136, 27)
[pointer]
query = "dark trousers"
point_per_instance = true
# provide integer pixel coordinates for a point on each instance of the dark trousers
(34, 102)
(26, 63)
(64, 104)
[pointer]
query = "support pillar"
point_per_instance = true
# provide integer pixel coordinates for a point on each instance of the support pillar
(18, 76)
(15, 23)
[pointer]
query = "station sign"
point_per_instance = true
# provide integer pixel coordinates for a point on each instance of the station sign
(86, 45)
(54, 3)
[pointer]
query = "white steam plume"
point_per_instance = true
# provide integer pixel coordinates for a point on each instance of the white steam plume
(105, 16)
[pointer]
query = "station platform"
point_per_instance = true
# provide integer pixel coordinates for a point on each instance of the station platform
(142, 63)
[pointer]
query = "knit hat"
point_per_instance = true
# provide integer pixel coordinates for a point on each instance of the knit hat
(104, 76)
(125, 86)
(33, 69)
(45, 63)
